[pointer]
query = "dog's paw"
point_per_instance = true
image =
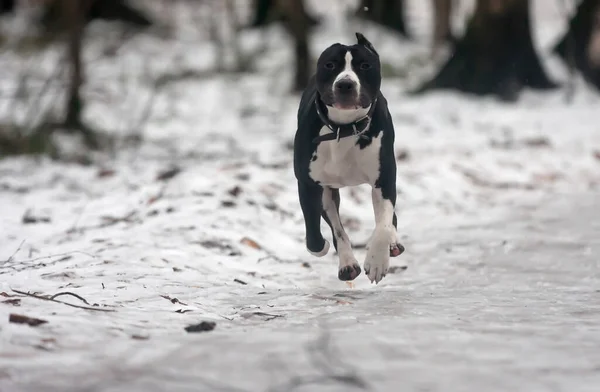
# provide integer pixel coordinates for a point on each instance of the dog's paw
(396, 249)
(377, 261)
(349, 272)
(322, 252)
(376, 271)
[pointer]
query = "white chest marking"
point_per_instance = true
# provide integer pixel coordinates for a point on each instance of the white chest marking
(343, 163)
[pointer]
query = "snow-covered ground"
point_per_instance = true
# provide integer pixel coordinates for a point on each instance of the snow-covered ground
(498, 208)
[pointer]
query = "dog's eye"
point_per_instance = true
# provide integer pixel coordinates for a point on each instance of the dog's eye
(329, 65)
(365, 66)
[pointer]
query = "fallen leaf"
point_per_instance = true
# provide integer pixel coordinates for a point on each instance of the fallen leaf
(306, 264)
(539, 141)
(547, 177)
(168, 174)
(235, 191)
(182, 311)
(20, 319)
(397, 268)
(140, 337)
(227, 203)
(402, 155)
(202, 327)
(14, 302)
(104, 173)
(28, 218)
(251, 243)
(236, 280)
(213, 244)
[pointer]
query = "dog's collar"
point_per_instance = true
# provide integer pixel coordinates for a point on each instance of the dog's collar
(356, 128)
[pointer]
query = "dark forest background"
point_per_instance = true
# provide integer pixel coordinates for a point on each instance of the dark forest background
(493, 55)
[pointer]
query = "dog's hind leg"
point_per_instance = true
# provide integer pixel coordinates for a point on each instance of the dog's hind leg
(348, 266)
(335, 193)
(312, 206)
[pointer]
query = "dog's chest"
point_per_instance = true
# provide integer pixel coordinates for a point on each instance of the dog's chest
(343, 163)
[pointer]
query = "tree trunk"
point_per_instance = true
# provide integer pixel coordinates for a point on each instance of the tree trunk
(74, 20)
(298, 26)
(388, 13)
(442, 30)
(266, 11)
(496, 55)
(97, 9)
(580, 46)
(7, 6)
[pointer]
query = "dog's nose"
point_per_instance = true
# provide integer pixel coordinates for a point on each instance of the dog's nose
(345, 85)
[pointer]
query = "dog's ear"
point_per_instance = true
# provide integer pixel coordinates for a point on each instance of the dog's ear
(362, 40)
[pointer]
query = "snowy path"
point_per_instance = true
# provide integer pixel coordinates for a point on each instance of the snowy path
(513, 305)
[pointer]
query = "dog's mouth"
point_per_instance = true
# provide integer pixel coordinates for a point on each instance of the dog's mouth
(346, 106)
(345, 102)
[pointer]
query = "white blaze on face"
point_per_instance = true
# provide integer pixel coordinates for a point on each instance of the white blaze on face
(348, 73)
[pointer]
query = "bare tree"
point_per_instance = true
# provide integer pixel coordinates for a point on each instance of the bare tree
(496, 54)
(580, 46)
(298, 26)
(7, 6)
(442, 31)
(74, 20)
(266, 11)
(388, 13)
(119, 10)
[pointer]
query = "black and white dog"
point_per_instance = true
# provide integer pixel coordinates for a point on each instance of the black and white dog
(345, 137)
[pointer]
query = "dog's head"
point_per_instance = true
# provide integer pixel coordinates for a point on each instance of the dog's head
(349, 77)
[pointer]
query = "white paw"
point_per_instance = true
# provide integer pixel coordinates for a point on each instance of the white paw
(377, 261)
(323, 252)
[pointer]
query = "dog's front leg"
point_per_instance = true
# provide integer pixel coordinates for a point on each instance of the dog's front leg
(311, 203)
(384, 237)
(348, 266)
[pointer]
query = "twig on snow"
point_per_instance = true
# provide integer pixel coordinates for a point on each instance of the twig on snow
(71, 294)
(58, 255)
(52, 299)
(15, 252)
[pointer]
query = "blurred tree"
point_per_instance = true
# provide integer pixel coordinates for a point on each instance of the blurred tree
(74, 19)
(580, 46)
(119, 10)
(7, 6)
(442, 29)
(297, 24)
(496, 54)
(388, 13)
(265, 12)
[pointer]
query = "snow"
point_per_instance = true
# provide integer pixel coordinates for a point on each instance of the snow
(498, 208)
